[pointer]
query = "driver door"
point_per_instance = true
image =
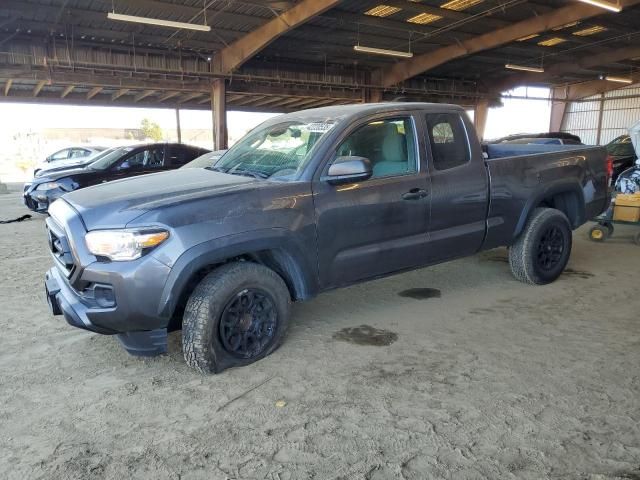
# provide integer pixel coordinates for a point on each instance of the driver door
(377, 226)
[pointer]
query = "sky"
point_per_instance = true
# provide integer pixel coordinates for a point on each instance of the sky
(516, 116)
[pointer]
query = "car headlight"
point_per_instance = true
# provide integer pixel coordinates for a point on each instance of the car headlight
(48, 186)
(123, 245)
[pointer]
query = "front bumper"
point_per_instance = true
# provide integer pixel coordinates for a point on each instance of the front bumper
(130, 311)
(39, 201)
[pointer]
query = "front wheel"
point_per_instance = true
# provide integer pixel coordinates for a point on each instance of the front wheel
(542, 251)
(238, 313)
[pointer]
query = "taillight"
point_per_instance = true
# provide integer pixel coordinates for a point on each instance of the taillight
(609, 167)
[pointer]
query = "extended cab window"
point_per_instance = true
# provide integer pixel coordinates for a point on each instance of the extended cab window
(448, 140)
(388, 144)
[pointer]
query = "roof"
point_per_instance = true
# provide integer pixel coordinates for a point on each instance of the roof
(69, 51)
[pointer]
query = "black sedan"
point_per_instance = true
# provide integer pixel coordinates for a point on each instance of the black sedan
(123, 162)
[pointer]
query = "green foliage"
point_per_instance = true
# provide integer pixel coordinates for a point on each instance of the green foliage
(151, 129)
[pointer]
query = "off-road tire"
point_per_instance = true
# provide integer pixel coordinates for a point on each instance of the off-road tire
(523, 254)
(201, 341)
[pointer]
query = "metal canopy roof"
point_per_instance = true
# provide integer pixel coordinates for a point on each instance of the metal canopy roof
(69, 51)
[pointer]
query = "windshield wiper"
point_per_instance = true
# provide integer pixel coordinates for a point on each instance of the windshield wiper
(217, 169)
(249, 173)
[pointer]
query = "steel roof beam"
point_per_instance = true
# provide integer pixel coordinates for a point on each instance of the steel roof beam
(585, 62)
(421, 63)
(233, 56)
(93, 92)
(586, 89)
(38, 87)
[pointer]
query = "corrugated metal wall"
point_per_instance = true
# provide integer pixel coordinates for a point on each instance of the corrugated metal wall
(618, 114)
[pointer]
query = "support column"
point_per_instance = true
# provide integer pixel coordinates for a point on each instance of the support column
(600, 114)
(481, 112)
(375, 95)
(558, 109)
(179, 130)
(219, 111)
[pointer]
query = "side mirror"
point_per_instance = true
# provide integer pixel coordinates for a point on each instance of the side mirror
(348, 170)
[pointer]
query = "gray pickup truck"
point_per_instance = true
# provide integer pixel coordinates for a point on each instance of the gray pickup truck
(305, 203)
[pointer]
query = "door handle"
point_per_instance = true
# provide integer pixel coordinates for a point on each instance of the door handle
(415, 194)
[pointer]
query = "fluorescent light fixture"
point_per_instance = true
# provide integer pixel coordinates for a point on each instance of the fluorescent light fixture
(424, 18)
(628, 81)
(382, 11)
(590, 31)
(382, 51)
(550, 42)
(603, 4)
(158, 22)
(528, 37)
(524, 68)
(459, 5)
(566, 25)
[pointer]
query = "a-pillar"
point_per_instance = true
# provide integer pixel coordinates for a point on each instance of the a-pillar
(480, 115)
(219, 112)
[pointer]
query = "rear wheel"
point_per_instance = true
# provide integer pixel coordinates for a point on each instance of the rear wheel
(542, 251)
(237, 314)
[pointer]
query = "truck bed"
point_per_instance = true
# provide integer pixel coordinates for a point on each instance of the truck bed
(523, 176)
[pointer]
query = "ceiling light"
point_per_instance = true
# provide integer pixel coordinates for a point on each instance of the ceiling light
(382, 51)
(590, 31)
(524, 68)
(528, 37)
(550, 42)
(618, 79)
(603, 4)
(566, 25)
(459, 5)
(382, 11)
(158, 22)
(424, 18)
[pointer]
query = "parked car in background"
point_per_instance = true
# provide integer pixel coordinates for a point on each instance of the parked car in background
(623, 154)
(308, 202)
(121, 163)
(564, 137)
(539, 141)
(80, 162)
(70, 155)
(205, 161)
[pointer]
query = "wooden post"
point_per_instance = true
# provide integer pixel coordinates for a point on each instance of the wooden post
(219, 112)
(480, 117)
(558, 109)
(178, 125)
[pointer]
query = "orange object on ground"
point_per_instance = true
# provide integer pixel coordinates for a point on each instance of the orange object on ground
(627, 208)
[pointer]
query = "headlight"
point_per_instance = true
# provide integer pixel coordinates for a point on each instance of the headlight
(48, 186)
(122, 245)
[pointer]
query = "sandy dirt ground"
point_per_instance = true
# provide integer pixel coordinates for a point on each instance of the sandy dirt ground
(473, 376)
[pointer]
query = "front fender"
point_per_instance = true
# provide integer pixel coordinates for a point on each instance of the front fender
(296, 262)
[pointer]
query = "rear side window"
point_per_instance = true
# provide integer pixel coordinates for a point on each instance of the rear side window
(448, 140)
(144, 159)
(179, 155)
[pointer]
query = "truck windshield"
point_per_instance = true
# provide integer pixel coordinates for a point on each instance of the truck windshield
(277, 152)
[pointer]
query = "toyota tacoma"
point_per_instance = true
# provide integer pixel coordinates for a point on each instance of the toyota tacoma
(305, 203)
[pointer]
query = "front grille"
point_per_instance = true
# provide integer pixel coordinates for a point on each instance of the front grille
(61, 250)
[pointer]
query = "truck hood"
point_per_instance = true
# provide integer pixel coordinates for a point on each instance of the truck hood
(115, 204)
